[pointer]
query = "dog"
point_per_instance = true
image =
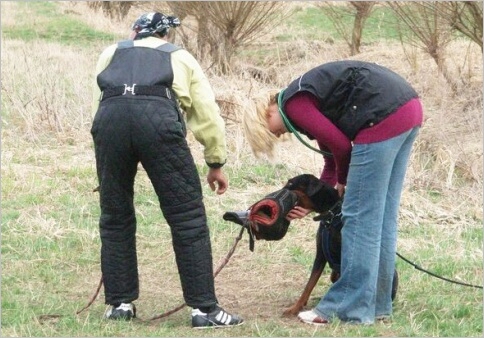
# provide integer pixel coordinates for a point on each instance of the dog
(320, 197)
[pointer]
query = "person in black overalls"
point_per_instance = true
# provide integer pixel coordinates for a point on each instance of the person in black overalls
(140, 84)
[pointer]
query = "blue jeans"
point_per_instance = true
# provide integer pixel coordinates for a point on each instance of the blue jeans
(369, 235)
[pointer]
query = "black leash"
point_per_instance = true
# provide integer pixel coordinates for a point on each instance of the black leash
(437, 276)
(328, 217)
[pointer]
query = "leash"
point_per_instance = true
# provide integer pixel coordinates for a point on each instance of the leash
(179, 307)
(328, 218)
(293, 130)
(437, 276)
(93, 298)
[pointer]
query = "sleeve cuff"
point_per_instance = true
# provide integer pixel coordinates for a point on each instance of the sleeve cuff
(215, 165)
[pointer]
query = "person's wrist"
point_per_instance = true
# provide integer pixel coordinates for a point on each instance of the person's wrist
(215, 165)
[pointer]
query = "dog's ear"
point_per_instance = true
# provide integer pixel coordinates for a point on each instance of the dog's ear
(322, 195)
(301, 182)
(329, 195)
(314, 185)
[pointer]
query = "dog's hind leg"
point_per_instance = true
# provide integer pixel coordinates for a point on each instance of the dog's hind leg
(316, 271)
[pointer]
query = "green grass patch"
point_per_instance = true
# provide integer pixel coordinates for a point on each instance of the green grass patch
(52, 25)
(381, 25)
(314, 24)
(308, 24)
(300, 256)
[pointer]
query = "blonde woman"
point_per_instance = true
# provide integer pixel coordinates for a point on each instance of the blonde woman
(365, 119)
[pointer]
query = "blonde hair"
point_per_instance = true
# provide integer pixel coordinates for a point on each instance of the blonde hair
(256, 128)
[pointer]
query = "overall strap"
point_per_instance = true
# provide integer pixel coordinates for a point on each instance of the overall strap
(125, 44)
(168, 47)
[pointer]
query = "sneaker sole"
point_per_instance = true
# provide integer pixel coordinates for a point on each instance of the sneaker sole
(216, 326)
(312, 323)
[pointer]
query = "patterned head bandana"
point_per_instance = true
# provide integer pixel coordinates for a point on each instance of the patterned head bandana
(150, 23)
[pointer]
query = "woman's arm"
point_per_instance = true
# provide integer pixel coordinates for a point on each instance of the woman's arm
(303, 110)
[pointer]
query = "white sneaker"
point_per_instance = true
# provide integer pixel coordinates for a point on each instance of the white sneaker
(218, 318)
(311, 317)
(124, 311)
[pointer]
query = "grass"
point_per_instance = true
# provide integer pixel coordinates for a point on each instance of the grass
(64, 29)
(51, 267)
(312, 23)
(50, 243)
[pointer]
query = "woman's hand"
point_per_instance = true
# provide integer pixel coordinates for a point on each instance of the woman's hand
(297, 212)
(341, 189)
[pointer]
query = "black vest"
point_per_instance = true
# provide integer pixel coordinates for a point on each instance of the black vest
(353, 94)
(143, 66)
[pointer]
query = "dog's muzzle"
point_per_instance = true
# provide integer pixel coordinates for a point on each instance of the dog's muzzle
(266, 219)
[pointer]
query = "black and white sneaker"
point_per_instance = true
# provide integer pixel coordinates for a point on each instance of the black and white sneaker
(123, 311)
(218, 318)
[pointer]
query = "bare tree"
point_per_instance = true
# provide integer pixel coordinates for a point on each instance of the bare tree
(428, 31)
(363, 11)
(113, 9)
(463, 16)
(359, 11)
(226, 26)
(196, 31)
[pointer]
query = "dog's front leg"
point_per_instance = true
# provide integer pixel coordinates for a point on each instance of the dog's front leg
(316, 271)
(303, 299)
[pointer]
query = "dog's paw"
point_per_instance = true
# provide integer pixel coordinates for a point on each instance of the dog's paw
(291, 311)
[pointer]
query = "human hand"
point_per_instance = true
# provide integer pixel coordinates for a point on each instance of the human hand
(216, 175)
(341, 189)
(297, 212)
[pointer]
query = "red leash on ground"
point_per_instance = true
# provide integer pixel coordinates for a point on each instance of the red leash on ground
(166, 314)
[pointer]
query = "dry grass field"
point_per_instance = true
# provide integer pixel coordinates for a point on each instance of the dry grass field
(50, 245)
